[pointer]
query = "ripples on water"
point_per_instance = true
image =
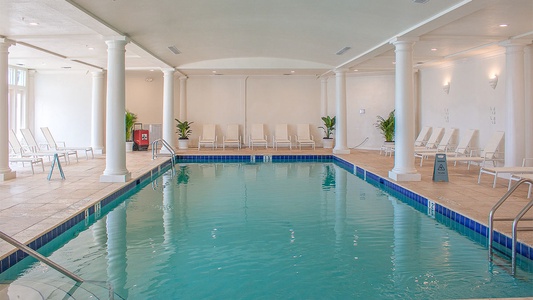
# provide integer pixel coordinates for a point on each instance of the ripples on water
(278, 231)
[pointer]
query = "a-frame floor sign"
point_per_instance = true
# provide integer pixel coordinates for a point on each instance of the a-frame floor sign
(56, 160)
(440, 168)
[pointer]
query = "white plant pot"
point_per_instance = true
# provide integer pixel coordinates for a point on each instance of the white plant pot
(328, 143)
(129, 146)
(183, 144)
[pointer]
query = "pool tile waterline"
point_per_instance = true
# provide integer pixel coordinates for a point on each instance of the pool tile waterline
(370, 177)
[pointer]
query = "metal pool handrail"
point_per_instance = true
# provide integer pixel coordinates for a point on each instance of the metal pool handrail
(167, 146)
(40, 257)
(515, 221)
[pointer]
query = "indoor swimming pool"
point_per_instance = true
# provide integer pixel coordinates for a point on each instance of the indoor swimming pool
(291, 230)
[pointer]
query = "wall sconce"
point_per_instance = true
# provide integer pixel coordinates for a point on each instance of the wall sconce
(446, 87)
(493, 81)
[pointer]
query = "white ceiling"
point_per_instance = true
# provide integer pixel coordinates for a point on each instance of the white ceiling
(256, 36)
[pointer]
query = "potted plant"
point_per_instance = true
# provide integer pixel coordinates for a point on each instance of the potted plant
(329, 127)
(183, 129)
(386, 126)
(131, 118)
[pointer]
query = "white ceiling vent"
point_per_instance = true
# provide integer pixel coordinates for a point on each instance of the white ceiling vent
(174, 49)
(341, 52)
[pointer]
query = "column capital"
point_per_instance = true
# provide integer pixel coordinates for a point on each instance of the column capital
(403, 40)
(340, 71)
(7, 41)
(116, 40)
(168, 70)
(514, 42)
(98, 73)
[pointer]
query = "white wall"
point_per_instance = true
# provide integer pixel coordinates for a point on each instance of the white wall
(63, 101)
(247, 100)
(471, 102)
(63, 104)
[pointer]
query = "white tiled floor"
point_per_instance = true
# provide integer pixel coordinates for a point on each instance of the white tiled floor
(31, 205)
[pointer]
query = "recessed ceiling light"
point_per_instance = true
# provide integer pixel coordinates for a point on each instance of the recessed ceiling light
(503, 25)
(33, 23)
(355, 70)
(292, 71)
(433, 49)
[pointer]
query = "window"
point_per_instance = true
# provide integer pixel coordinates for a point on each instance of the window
(17, 98)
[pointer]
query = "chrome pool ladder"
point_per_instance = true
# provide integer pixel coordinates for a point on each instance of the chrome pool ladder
(167, 146)
(515, 220)
(40, 257)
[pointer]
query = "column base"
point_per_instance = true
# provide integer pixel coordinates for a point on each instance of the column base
(405, 177)
(115, 178)
(8, 176)
(341, 151)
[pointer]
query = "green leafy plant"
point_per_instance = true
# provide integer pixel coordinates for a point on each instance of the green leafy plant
(329, 126)
(183, 129)
(386, 126)
(131, 118)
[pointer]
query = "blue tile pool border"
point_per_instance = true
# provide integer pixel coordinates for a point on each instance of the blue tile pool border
(374, 179)
(37, 243)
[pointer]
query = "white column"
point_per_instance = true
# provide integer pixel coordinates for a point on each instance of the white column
(98, 112)
(5, 172)
(340, 204)
(183, 99)
(324, 97)
(404, 160)
(168, 108)
(30, 100)
(117, 249)
(340, 125)
(529, 100)
(116, 170)
(515, 130)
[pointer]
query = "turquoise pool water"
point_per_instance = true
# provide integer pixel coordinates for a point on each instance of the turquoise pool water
(270, 231)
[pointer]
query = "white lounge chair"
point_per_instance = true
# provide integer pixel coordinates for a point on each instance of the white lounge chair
(36, 150)
(281, 136)
(489, 153)
(422, 138)
(258, 136)
(517, 172)
(443, 145)
(208, 137)
(232, 136)
(433, 140)
(18, 156)
(52, 144)
(462, 148)
(516, 177)
(304, 137)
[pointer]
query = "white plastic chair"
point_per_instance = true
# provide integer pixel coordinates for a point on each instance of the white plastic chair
(258, 136)
(281, 136)
(208, 137)
(52, 144)
(232, 136)
(304, 137)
